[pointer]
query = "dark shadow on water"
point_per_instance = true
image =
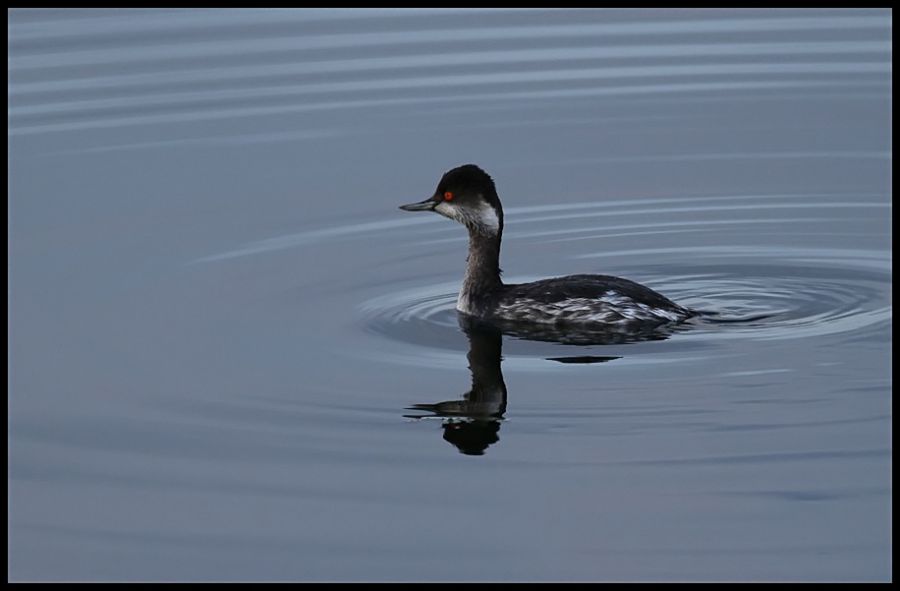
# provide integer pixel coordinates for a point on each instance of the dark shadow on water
(472, 423)
(584, 359)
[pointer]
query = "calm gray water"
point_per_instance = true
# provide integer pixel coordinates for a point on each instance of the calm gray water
(231, 357)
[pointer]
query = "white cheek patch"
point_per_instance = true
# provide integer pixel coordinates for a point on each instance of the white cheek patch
(484, 217)
(487, 218)
(448, 211)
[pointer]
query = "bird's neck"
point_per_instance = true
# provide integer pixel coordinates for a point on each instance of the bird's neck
(482, 270)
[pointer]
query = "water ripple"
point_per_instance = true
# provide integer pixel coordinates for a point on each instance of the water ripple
(29, 51)
(270, 64)
(74, 80)
(753, 292)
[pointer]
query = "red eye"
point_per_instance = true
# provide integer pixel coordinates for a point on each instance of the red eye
(448, 196)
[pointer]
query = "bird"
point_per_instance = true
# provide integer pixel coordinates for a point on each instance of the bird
(580, 307)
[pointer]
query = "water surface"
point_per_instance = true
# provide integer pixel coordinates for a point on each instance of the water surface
(232, 358)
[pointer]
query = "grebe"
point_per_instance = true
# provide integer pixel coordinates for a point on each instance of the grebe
(467, 194)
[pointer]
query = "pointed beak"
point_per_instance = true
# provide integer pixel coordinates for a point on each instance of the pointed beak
(427, 205)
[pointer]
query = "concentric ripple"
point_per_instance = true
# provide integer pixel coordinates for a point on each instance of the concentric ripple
(786, 300)
(805, 281)
(750, 301)
(745, 291)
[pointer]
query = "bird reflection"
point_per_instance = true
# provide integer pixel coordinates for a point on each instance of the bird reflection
(472, 423)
